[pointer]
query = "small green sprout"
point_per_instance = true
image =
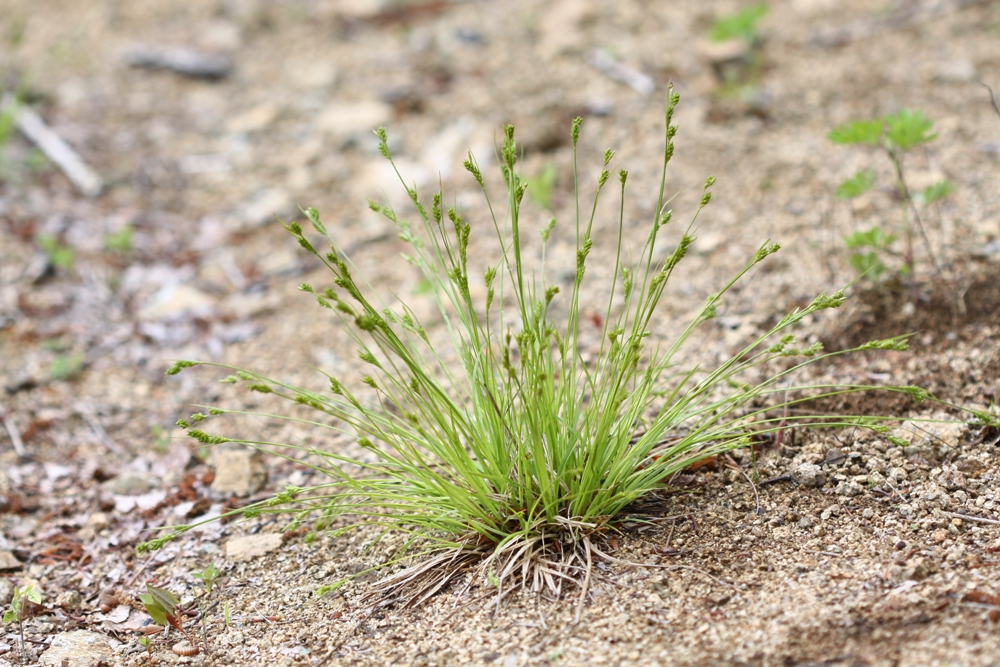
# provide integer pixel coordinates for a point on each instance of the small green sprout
(147, 644)
(19, 610)
(66, 366)
(741, 25)
(120, 241)
(207, 577)
(60, 256)
(542, 187)
(895, 135)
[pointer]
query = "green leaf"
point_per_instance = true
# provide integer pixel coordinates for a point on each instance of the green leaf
(906, 129)
(160, 604)
(155, 611)
(857, 132)
(870, 264)
(871, 238)
(857, 185)
(935, 192)
(741, 25)
(541, 187)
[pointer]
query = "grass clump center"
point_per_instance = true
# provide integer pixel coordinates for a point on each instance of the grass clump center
(518, 458)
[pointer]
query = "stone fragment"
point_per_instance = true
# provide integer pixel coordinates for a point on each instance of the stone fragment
(69, 600)
(248, 547)
(127, 485)
(953, 480)
(806, 523)
(262, 209)
(146, 501)
(174, 301)
(258, 118)
(958, 70)
(9, 562)
(849, 488)
(78, 648)
(561, 27)
(355, 118)
(808, 475)
(916, 570)
(239, 472)
(969, 466)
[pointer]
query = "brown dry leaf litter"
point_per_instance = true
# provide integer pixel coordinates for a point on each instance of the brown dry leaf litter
(854, 553)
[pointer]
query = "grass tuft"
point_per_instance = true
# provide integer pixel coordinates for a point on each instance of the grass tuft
(516, 459)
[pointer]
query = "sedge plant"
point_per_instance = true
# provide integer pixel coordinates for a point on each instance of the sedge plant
(516, 445)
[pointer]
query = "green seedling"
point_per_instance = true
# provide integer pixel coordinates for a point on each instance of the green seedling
(542, 187)
(66, 366)
(161, 438)
(741, 25)
(867, 249)
(507, 441)
(895, 135)
(161, 605)
(19, 608)
(60, 256)
(740, 70)
(207, 577)
(120, 241)
(147, 644)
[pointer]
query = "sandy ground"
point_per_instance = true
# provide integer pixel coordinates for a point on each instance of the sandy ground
(869, 554)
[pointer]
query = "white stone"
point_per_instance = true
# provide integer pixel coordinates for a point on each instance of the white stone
(79, 648)
(248, 547)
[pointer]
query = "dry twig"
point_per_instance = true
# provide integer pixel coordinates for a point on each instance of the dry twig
(54, 147)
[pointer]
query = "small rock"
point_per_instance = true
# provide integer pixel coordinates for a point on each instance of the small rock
(78, 648)
(99, 520)
(808, 475)
(174, 301)
(835, 455)
(956, 71)
(806, 522)
(914, 571)
(354, 118)
(126, 485)
(561, 27)
(146, 501)
(939, 536)
(252, 546)
(262, 209)
(832, 510)
(254, 120)
(283, 261)
(849, 489)
(6, 592)
(969, 466)
(239, 472)
(69, 600)
(9, 562)
(953, 480)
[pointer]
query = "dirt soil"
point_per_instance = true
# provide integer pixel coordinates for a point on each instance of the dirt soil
(847, 550)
